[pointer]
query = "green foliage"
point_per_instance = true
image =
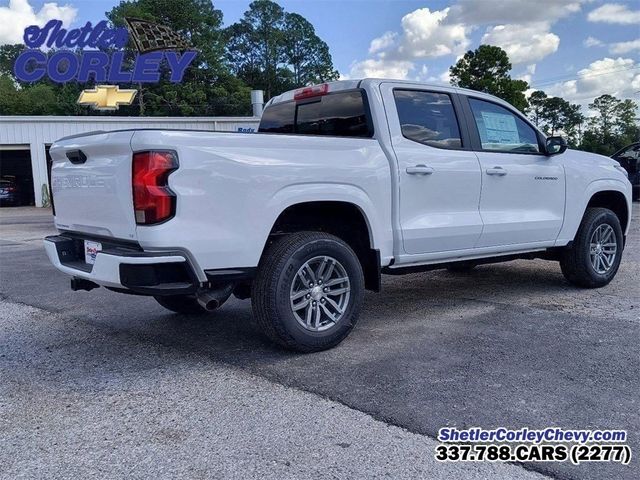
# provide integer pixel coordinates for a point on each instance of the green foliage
(612, 127)
(486, 69)
(196, 20)
(536, 109)
(42, 98)
(8, 55)
(555, 116)
(208, 88)
(307, 56)
(268, 49)
(276, 51)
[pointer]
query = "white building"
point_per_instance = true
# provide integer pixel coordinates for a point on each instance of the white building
(25, 141)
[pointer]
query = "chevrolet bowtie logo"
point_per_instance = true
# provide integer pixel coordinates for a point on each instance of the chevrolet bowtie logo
(106, 97)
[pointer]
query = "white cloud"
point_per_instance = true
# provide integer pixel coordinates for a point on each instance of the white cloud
(625, 47)
(445, 77)
(614, 13)
(423, 74)
(426, 34)
(19, 15)
(381, 68)
(592, 42)
(383, 42)
(482, 12)
(523, 43)
(618, 77)
(526, 76)
(521, 27)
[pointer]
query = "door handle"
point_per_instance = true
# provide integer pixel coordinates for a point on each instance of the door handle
(419, 170)
(496, 171)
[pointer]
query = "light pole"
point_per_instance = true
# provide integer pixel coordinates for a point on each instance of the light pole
(637, 119)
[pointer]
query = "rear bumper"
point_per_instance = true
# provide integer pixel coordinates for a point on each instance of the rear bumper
(124, 267)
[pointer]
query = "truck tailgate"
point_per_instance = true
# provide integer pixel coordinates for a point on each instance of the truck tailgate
(94, 196)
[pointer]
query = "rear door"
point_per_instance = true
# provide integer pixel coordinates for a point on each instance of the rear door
(91, 184)
(523, 190)
(439, 175)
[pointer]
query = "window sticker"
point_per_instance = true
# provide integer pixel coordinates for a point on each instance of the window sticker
(500, 128)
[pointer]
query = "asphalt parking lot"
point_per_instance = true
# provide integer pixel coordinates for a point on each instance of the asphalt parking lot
(103, 385)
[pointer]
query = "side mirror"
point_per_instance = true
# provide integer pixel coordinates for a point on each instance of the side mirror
(555, 146)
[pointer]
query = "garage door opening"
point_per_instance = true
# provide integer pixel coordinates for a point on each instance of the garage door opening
(16, 177)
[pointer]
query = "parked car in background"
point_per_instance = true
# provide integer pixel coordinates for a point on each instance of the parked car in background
(629, 159)
(10, 192)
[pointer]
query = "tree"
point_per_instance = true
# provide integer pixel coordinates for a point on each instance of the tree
(605, 107)
(307, 55)
(486, 69)
(572, 125)
(8, 55)
(627, 112)
(8, 96)
(275, 51)
(38, 99)
(537, 106)
(196, 20)
(208, 88)
(554, 115)
(258, 38)
(613, 125)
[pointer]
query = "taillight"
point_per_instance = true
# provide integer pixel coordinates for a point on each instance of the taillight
(153, 200)
(313, 91)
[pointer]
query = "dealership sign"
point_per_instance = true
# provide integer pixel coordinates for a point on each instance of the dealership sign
(96, 53)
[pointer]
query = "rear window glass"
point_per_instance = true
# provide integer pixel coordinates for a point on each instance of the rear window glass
(278, 118)
(338, 114)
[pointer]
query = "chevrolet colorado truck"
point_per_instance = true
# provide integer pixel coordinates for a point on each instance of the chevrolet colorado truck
(344, 182)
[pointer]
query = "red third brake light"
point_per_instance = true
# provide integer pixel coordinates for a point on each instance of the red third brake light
(153, 200)
(313, 91)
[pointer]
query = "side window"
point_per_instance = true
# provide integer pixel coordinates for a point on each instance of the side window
(629, 158)
(631, 153)
(428, 118)
(501, 130)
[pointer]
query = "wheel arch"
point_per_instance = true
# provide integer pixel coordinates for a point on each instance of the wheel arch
(345, 219)
(606, 193)
(613, 200)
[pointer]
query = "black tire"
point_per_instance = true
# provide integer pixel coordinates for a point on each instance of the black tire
(575, 261)
(276, 273)
(461, 267)
(186, 304)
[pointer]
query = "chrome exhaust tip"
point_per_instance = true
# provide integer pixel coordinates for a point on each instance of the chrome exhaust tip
(212, 299)
(209, 301)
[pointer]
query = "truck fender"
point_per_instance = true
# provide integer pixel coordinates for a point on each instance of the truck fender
(574, 212)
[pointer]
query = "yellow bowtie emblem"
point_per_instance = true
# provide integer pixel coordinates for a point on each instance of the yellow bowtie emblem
(106, 97)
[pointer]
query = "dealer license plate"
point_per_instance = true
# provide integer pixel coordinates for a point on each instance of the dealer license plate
(91, 249)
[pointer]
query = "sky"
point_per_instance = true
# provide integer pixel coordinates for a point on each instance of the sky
(577, 49)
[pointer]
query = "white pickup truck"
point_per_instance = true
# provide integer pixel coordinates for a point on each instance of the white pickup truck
(345, 181)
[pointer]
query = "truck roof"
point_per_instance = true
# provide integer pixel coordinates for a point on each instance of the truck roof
(374, 82)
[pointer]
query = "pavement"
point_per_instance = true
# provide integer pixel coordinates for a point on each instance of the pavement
(102, 385)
